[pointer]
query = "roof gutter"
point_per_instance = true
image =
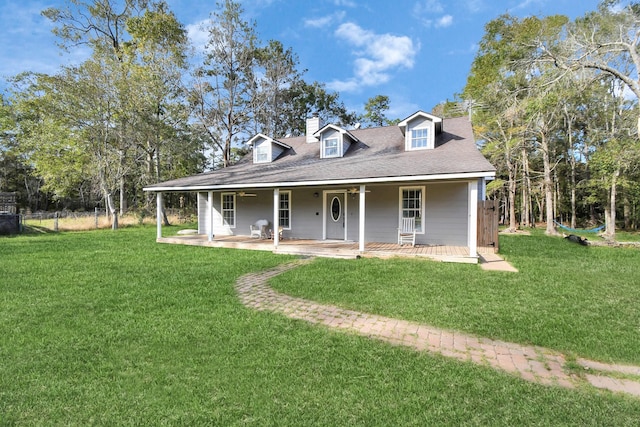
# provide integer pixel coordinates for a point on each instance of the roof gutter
(457, 176)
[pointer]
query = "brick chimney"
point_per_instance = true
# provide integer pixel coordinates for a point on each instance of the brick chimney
(314, 123)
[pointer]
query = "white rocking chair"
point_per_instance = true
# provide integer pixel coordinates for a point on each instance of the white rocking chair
(259, 229)
(407, 232)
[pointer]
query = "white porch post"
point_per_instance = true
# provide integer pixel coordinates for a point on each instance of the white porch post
(472, 239)
(158, 215)
(210, 212)
(361, 219)
(276, 217)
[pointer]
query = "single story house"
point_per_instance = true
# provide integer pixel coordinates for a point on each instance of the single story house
(357, 185)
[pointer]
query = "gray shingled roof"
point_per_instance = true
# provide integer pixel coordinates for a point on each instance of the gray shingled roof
(379, 155)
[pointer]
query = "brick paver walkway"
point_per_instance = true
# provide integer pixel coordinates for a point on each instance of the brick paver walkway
(531, 363)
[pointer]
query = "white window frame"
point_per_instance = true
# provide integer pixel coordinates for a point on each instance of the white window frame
(337, 147)
(224, 210)
(401, 209)
(262, 148)
(414, 138)
(288, 194)
(424, 125)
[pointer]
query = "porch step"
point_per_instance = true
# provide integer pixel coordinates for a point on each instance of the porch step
(326, 253)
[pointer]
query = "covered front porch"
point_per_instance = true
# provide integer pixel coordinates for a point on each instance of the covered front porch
(332, 248)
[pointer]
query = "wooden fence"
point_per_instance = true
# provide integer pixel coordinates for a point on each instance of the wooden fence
(488, 224)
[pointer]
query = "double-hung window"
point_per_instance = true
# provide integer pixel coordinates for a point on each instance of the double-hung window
(419, 138)
(412, 205)
(331, 147)
(284, 211)
(261, 152)
(229, 209)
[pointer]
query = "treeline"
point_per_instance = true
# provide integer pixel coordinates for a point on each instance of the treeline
(554, 103)
(146, 106)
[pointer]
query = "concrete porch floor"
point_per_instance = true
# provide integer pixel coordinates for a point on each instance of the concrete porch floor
(332, 248)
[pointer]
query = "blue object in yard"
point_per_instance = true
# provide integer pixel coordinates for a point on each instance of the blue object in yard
(576, 230)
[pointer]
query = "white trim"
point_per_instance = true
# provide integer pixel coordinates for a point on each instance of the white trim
(391, 180)
(339, 209)
(276, 217)
(409, 140)
(266, 145)
(419, 113)
(288, 192)
(210, 209)
(159, 216)
(361, 219)
(472, 237)
(222, 210)
(323, 150)
(423, 198)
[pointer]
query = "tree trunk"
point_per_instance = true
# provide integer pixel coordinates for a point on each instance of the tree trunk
(572, 162)
(548, 185)
(114, 212)
(123, 198)
(527, 210)
(610, 211)
(626, 211)
(512, 196)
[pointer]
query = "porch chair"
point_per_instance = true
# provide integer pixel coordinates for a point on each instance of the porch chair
(259, 229)
(407, 232)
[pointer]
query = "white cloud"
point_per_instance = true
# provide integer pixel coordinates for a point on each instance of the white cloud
(472, 49)
(198, 34)
(474, 6)
(377, 56)
(425, 11)
(425, 7)
(527, 3)
(345, 3)
(445, 21)
(325, 21)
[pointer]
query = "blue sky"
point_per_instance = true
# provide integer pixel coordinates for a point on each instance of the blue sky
(417, 52)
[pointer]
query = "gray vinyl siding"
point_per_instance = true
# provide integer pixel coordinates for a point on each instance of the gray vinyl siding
(203, 214)
(446, 213)
(250, 209)
(276, 150)
(306, 214)
(381, 223)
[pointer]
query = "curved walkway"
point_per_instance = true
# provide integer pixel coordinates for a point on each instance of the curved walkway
(536, 364)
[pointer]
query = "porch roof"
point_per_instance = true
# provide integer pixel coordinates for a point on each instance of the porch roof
(378, 156)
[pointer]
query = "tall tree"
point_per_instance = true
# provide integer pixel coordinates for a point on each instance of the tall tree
(221, 97)
(375, 111)
(606, 40)
(272, 102)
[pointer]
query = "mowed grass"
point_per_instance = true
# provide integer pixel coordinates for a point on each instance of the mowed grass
(583, 301)
(111, 328)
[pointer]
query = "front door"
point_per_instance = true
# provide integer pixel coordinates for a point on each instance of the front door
(335, 216)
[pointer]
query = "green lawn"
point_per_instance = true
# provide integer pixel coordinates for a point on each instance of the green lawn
(110, 328)
(576, 299)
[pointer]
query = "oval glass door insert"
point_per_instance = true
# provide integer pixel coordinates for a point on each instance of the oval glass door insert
(336, 209)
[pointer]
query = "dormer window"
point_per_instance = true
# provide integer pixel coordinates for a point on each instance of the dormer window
(265, 149)
(331, 147)
(419, 138)
(420, 130)
(261, 152)
(334, 141)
